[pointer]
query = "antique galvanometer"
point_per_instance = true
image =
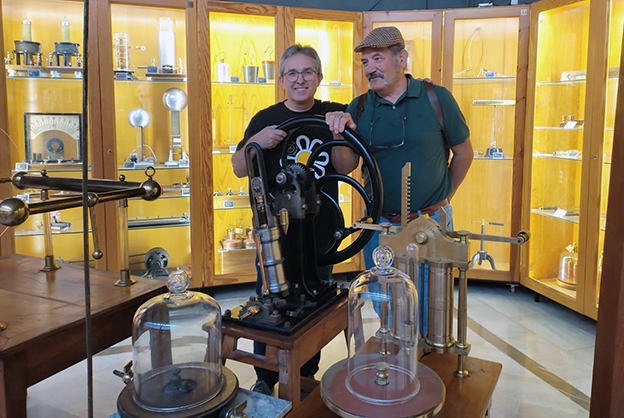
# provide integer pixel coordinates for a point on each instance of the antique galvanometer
(52, 137)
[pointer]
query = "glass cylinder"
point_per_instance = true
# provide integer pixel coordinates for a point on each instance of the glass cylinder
(568, 264)
(65, 30)
(383, 334)
(26, 30)
(166, 43)
(122, 55)
(176, 347)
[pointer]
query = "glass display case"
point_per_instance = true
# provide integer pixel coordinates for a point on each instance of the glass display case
(243, 55)
(147, 61)
(570, 116)
(44, 84)
(557, 148)
(485, 69)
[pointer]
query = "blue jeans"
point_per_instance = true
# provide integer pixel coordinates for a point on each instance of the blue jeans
(368, 249)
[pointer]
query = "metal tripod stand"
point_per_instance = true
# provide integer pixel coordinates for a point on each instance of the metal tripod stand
(483, 255)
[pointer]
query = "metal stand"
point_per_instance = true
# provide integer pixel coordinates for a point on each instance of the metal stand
(483, 255)
(50, 264)
(124, 273)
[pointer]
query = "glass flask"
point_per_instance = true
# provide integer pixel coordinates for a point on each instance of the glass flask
(176, 348)
(568, 264)
(383, 334)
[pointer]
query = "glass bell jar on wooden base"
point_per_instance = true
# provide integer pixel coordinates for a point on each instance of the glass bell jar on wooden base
(176, 349)
(381, 375)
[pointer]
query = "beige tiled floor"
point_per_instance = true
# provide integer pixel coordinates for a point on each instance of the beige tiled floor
(546, 351)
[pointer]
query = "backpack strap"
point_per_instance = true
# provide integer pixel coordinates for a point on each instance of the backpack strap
(435, 103)
(360, 107)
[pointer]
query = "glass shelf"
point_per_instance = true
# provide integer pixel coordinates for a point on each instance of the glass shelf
(166, 196)
(344, 86)
(156, 167)
(164, 80)
(144, 223)
(231, 83)
(493, 159)
(504, 78)
(22, 77)
(51, 170)
(556, 157)
(557, 128)
(551, 214)
(31, 233)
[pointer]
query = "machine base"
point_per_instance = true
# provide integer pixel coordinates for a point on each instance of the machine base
(426, 403)
(289, 324)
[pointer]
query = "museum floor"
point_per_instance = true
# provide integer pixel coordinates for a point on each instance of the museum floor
(546, 350)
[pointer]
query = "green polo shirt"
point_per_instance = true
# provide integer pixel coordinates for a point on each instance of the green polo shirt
(409, 130)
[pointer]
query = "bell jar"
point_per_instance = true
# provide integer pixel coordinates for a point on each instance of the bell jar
(383, 334)
(176, 349)
(381, 375)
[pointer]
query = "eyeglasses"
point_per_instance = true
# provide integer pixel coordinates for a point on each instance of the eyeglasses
(392, 142)
(292, 76)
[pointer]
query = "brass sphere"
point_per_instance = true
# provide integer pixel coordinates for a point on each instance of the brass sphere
(152, 189)
(13, 211)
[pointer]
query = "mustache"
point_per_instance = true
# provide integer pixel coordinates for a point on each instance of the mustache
(375, 75)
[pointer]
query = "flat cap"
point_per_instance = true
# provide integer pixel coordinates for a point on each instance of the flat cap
(381, 37)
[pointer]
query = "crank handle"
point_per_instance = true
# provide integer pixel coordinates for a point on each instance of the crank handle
(385, 226)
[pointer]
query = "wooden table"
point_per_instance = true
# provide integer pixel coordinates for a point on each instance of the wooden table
(45, 317)
(286, 354)
(467, 398)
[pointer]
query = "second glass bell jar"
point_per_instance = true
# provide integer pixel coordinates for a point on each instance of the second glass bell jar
(381, 375)
(176, 347)
(383, 334)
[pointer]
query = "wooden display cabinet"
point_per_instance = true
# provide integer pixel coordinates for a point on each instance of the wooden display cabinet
(567, 136)
(243, 40)
(150, 118)
(42, 114)
(485, 63)
(334, 35)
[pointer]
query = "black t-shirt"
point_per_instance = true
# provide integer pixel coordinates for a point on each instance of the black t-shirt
(301, 147)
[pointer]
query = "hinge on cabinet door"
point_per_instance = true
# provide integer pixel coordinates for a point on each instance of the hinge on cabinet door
(190, 4)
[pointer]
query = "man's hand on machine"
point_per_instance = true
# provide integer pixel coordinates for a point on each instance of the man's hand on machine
(269, 137)
(338, 120)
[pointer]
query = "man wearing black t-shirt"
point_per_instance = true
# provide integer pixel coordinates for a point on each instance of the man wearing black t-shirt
(300, 75)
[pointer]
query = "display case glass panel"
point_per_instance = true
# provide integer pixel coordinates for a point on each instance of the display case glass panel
(485, 61)
(557, 149)
(418, 43)
(614, 59)
(333, 41)
(44, 93)
(151, 129)
(244, 76)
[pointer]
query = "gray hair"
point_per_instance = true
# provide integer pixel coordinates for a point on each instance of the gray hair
(306, 50)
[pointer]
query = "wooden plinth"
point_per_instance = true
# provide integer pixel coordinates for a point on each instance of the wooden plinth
(45, 318)
(286, 354)
(467, 397)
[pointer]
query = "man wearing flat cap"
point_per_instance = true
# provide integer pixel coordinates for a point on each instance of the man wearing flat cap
(397, 120)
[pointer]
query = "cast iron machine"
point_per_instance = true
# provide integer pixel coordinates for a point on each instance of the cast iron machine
(284, 210)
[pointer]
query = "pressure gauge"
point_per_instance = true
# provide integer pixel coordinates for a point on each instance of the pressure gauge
(52, 137)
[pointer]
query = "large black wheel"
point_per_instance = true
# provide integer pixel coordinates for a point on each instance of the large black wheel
(372, 196)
